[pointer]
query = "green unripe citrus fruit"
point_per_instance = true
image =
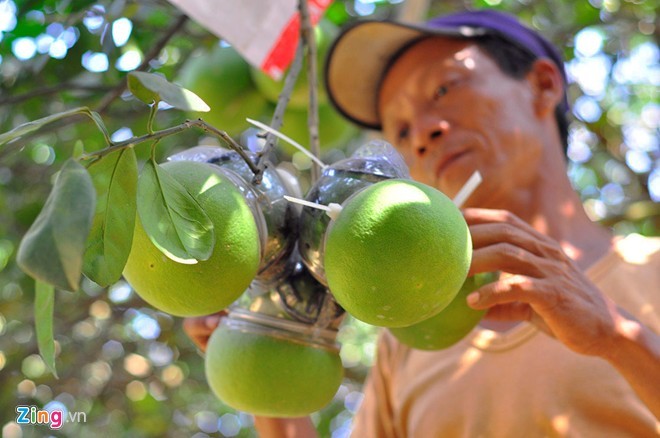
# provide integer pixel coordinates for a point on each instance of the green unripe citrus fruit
(221, 78)
(270, 376)
(397, 254)
(449, 326)
(207, 286)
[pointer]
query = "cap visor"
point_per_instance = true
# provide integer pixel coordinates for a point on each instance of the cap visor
(358, 58)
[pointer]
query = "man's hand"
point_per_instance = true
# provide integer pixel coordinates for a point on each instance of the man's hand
(540, 284)
(200, 328)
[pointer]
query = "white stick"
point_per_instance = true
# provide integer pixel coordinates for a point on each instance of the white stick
(287, 139)
(467, 189)
(331, 210)
(307, 203)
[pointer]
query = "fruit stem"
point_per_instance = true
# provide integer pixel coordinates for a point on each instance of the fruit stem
(467, 189)
(152, 116)
(230, 141)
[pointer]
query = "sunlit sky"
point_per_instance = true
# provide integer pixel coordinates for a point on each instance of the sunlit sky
(599, 76)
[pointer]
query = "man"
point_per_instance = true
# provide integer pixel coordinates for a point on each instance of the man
(570, 345)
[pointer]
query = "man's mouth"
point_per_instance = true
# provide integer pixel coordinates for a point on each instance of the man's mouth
(449, 159)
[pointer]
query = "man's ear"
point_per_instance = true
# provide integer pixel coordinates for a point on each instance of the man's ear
(547, 86)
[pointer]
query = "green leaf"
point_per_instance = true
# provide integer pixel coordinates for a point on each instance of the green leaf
(109, 242)
(44, 302)
(35, 125)
(150, 88)
(99, 123)
(78, 149)
(52, 249)
(172, 217)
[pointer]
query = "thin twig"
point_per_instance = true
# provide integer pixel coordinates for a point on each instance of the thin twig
(280, 108)
(157, 135)
(229, 140)
(54, 89)
(153, 53)
(307, 36)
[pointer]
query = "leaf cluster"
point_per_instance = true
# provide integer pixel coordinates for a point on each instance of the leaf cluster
(86, 225)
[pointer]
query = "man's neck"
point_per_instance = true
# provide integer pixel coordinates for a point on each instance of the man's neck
(553, 208)
(582, 240)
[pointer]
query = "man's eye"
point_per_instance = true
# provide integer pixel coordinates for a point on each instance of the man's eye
(440, 91)
(403, 133)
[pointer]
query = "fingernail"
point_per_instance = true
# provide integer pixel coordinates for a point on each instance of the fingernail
(473, 298)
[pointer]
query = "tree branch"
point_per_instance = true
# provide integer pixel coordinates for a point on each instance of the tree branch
(45, 91)
(280, 108)
(307, 36)
(158, 135)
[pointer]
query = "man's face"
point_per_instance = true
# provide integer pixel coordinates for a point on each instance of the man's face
(450, 110)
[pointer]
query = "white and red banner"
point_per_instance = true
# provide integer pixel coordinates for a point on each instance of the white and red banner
(264, 32)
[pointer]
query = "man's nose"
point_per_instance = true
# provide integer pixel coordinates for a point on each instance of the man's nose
(425, 133)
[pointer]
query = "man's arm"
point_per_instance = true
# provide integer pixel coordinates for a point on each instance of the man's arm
(636, 355)
(199, 330)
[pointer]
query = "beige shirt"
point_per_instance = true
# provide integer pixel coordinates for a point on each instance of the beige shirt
(519, 383)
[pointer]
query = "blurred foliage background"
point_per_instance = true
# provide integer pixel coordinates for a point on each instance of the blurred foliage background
(131, 369)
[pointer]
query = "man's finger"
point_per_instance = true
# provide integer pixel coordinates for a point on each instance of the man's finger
(212, 321)
(193, 326)
(508, 258)
(476, 216)
(517, 311)
(515, 288)
(492, 233)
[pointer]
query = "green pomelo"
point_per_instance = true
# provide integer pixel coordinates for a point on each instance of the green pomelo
(325, 32)
(334, 130)
(397, 254)
(269, 376)
(222, 78)
(449, 326)
(207, 286)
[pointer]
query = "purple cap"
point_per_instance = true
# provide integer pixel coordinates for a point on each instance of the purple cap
(362, 53)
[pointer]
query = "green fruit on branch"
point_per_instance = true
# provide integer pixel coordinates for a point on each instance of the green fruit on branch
(268, 375)
(397, 254)
(449, 326)
(207, 286)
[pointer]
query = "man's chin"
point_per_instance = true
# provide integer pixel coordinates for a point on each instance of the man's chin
(452, 181)
(424, 178)
(449, 182)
